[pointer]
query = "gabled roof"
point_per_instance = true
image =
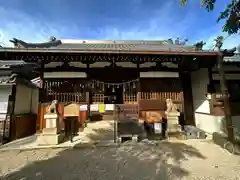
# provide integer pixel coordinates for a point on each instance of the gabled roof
(106, 45)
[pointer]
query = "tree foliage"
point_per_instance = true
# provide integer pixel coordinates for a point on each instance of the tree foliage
(231, 14)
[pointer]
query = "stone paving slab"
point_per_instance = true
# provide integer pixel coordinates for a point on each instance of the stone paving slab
(175, 160)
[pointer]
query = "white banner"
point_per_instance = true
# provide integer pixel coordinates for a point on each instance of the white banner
(3, 107)
(94, 107)
(109, 107)
(158, 128)
(83, 108)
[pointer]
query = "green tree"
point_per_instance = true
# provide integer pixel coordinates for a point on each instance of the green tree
(231, 14)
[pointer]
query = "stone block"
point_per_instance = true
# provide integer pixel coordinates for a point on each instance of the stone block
(173, 122)
(50, 116)
(50, 131)
(45, 140)
(174, 128)
(173, 113)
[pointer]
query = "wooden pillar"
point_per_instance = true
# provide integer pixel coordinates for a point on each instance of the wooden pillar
(42, 84)
(88, 94)
(224, 91)
(187, 98)
(41, 99)
(138, 88)
(211, 90)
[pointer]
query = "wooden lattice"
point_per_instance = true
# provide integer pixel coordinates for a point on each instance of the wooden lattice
(65, 90)
(67, 97)
(97, 98)
(130, 98)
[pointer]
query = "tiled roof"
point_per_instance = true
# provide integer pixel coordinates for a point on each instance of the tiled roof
(106, 45)
(125, 47)
(235, 58)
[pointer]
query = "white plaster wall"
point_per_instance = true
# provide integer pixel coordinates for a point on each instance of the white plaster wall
(200, 81)
(159, 74)
(203, 119)
(210, 123)
(23, 99)
(5, 91)
(65, 75)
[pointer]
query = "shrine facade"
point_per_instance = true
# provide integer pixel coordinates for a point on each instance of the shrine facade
(144, 73)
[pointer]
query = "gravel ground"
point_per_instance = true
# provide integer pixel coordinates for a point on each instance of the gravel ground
(192, 159)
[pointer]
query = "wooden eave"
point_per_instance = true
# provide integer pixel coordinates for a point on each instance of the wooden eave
(39, 55)
(104, 51)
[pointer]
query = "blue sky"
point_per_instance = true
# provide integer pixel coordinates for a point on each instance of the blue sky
(36, 20)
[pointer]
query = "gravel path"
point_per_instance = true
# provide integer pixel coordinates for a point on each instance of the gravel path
(169, 160)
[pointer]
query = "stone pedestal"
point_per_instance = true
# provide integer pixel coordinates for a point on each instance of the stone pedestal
(173, 125)
(51, 134)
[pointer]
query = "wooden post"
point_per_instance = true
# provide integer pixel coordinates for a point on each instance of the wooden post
(225, 96)
(138, 88)
(115, 135)
(42, 83)
(88, 101)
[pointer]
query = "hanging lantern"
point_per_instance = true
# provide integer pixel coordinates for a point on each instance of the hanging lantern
(103, 88)
(113, 89)
(134, 85)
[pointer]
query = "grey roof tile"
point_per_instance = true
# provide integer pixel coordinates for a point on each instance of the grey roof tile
(235, 58)
(125, 47)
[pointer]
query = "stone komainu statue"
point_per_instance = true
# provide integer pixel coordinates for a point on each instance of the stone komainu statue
(53, 107)
(171, 107)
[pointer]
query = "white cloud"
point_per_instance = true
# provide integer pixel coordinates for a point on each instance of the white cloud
(229, 42)
(17, 24)
(162, 24)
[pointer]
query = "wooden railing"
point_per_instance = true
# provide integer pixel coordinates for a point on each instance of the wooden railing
(67, 97)
(175, 96)
(152, 100)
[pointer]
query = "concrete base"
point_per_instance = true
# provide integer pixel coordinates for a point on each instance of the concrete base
(50, 139)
